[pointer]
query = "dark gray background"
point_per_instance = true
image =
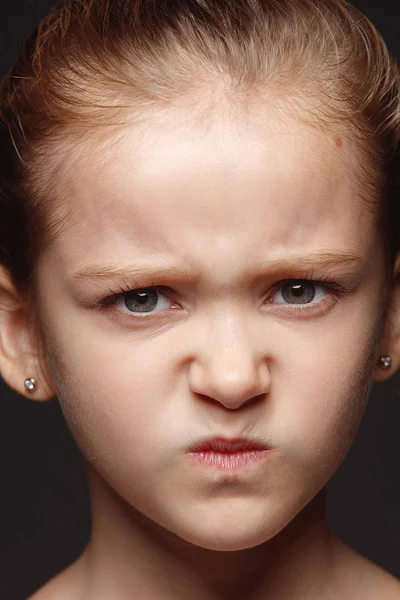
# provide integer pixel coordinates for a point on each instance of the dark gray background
(44, 515)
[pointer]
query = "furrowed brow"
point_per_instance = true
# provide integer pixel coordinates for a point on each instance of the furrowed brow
(101, 272)
(325, 260)
(334, 262)
(348, 265)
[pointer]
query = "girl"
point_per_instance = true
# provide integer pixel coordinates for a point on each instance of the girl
(199, 257)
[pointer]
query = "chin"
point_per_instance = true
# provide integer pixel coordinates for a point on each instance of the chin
(228, 533)
(227, 541)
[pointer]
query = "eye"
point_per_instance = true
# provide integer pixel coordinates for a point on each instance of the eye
(297, 291)
(143, 300)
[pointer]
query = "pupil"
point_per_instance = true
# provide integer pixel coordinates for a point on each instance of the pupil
(297, 290)
(141, 301)
(141, 297)
(298, 293)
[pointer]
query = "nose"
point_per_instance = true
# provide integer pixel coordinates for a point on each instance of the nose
(230, 367)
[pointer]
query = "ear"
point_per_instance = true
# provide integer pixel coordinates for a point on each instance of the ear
(390, 342)
(21, 351)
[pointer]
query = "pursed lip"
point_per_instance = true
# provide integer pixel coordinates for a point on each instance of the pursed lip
(221, 444)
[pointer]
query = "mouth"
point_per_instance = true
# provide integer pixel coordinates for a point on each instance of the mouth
(222, 453)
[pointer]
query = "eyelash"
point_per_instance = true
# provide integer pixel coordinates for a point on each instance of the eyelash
(334, 288)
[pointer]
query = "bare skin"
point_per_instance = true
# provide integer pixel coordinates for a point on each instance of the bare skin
(318, 566)
(240, 205)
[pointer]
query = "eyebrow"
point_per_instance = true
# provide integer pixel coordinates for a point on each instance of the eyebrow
(333, 261)
(330, 260)
(110, 272)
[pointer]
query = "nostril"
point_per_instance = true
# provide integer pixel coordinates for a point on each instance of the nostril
(210, 400)
(253, 400)
(258, 398)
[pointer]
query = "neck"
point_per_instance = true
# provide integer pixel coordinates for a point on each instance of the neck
(129, 555)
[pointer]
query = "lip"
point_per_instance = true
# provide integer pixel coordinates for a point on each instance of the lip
(229, 454)
(228, 445)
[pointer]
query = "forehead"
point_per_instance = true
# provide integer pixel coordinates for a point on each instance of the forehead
(178, 183)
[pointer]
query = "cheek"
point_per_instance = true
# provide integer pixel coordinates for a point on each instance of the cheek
(322, 392)
(121, 405)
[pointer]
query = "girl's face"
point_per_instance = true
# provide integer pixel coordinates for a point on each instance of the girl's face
(218, 219)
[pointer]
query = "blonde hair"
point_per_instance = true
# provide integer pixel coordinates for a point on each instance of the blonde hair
(93, 62)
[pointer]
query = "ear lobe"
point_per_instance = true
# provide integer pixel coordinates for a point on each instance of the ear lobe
(382, 373)
(20, 356)
(390, 344)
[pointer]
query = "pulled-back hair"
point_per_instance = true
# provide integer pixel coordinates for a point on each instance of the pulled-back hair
(96, 64)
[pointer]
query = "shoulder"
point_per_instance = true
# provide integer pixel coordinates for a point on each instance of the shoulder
(361, 579)
(66, 585)
(382, 586)
(55, 589)
(58, 588)
(42, 594)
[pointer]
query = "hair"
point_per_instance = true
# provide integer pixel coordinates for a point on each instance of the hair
(93, 65)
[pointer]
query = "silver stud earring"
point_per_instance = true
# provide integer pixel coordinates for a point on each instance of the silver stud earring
(385, 362)
(30, 384)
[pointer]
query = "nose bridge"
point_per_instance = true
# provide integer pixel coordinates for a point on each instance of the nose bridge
(230, 334)
(230, 366)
